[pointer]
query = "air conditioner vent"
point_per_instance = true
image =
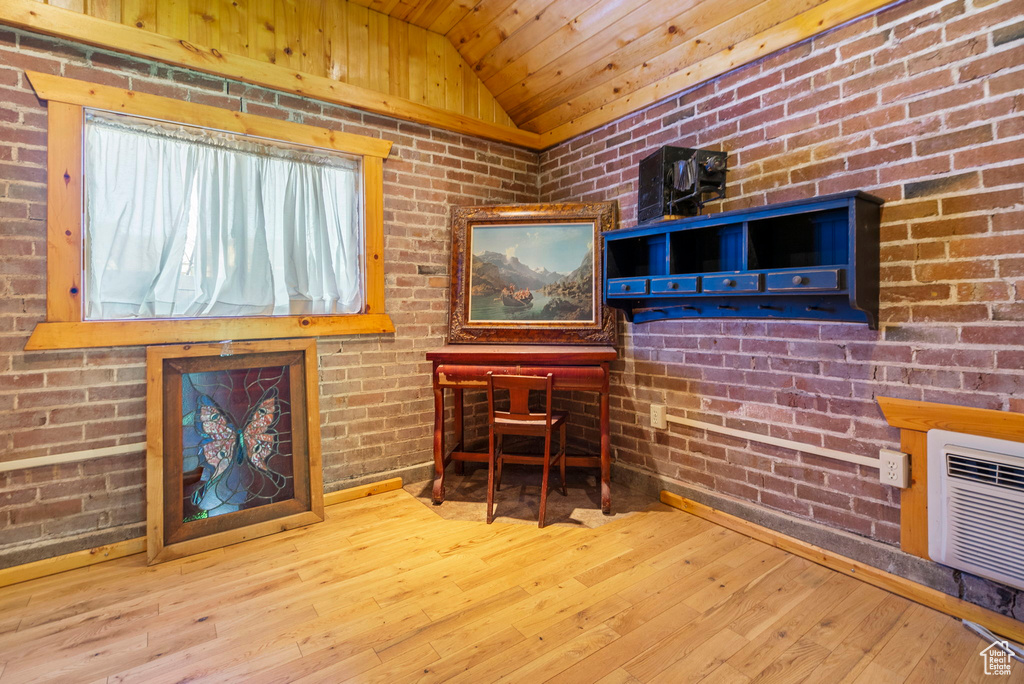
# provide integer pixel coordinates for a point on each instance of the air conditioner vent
(990, 472)
(986, 529)
(976, 505)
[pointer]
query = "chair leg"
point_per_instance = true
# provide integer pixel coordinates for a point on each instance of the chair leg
(561, 461)
(490, 477)
(544, 481)
(500, 459)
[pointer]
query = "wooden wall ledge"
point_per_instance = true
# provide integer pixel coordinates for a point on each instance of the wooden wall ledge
(915, 419)
(922, 416)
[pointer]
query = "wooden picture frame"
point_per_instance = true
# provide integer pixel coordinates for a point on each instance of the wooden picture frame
(233, 443)
(530, 274)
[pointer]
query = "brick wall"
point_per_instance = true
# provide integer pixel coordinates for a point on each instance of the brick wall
(377, 407)
(922, 105)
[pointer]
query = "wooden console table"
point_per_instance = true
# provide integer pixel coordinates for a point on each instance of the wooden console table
(457, 366)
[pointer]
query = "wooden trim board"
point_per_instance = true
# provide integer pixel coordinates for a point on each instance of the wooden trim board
(89, 334)
(926, 596)
(58, 89)
(64, 173)
(923, 416)
(362, 491)
(914, 499)
(56, 21)
(129, 547)
(71, 561)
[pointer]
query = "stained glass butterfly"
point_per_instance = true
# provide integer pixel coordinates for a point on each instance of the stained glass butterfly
(224, 447)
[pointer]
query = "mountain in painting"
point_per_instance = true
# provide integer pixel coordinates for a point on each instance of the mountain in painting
(492, 272)
(572, 297)
(579, 284)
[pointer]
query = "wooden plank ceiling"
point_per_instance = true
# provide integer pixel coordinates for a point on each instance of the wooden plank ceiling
(548, 62)
(531, 72)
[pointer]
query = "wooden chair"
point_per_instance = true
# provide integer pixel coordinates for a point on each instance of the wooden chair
(518, 420)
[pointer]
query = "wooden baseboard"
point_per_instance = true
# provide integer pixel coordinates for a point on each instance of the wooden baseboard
(71, 561)
(353, 493)
(926, 596)
(100, 554)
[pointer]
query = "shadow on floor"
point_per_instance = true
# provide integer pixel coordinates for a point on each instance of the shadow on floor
(518, 500)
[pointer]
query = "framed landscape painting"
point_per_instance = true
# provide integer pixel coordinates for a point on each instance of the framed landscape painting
(233, 443)
(530, 274)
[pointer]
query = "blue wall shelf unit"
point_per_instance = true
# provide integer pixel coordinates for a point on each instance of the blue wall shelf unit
(811, 259)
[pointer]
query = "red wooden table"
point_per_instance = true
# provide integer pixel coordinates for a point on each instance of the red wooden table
(457, 366)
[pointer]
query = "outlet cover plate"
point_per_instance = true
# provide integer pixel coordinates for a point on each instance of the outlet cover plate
(894, 468)
(659, 417)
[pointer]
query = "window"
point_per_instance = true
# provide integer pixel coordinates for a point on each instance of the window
(186, 222)
(178, 222)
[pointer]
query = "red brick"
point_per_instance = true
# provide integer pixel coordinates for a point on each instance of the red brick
(1007, 221)
(785, 503)
(952, 141)
(954, 270)
(948, 99)
(948, 227)
(878, 157)
(985, 201)
(45, 511)
(987, 66)
(909, 87)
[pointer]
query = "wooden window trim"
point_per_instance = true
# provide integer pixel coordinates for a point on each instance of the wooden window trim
(64, 327)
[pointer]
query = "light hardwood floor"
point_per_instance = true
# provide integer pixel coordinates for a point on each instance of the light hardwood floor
(385, 591)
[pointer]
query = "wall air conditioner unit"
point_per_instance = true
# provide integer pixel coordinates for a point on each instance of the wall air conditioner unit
(976, 505)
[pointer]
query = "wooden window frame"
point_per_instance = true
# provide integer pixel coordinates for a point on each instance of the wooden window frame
(65, 328)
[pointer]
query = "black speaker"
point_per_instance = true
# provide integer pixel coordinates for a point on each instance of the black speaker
(679, 181)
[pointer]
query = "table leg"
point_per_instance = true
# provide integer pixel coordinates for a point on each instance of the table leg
(606, 460)
(459, 465)
(438, 493)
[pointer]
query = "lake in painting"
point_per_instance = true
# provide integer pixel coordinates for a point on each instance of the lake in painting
(536, 273)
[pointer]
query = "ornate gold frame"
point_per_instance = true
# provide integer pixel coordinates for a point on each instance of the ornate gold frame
(604, 217)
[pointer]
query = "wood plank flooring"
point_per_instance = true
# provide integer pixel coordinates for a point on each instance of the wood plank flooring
(385, 591)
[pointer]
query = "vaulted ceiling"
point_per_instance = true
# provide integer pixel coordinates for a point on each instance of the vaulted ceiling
(549, 61)
(531, 72)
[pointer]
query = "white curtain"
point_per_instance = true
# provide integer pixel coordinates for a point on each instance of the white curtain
(189, 223)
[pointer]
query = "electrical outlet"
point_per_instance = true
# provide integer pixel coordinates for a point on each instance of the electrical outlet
(894, 468)
(659, 419)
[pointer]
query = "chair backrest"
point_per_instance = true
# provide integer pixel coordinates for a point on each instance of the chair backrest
(519, 387)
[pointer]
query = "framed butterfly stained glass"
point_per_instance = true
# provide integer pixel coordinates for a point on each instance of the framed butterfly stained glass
(233, 443)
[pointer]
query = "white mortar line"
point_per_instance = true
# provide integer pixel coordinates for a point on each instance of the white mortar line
(70, 457)
(777, 441)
